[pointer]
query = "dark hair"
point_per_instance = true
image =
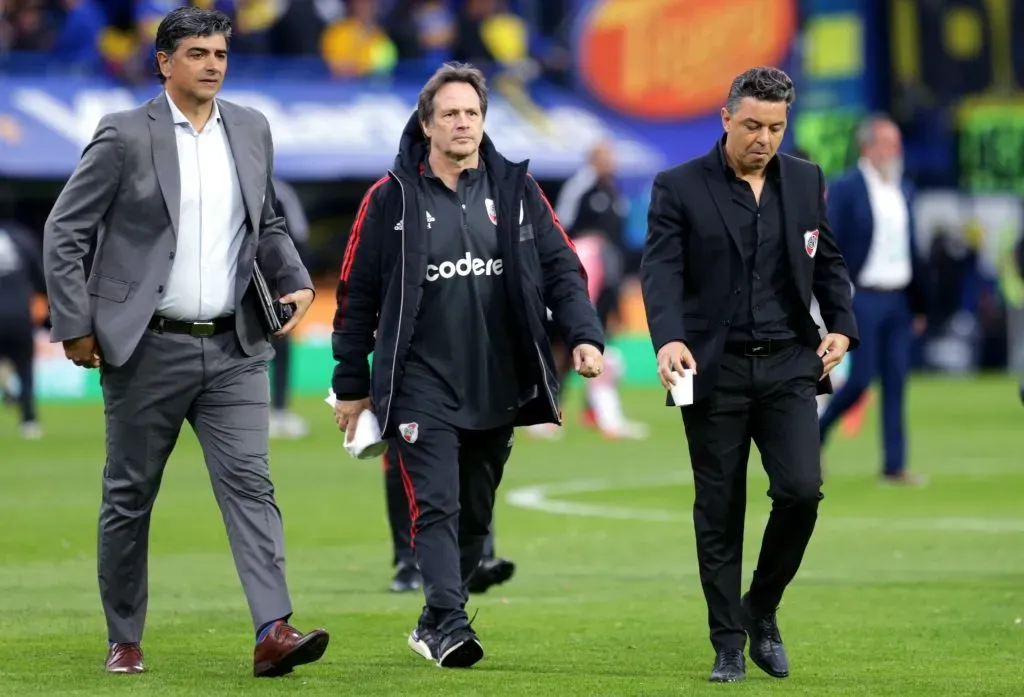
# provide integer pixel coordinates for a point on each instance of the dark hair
(764, 85)
(187, 22)
(446, 74)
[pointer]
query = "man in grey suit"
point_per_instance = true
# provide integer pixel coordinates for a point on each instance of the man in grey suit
(175, 198)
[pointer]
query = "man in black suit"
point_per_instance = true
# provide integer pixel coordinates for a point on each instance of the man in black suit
(737, 243)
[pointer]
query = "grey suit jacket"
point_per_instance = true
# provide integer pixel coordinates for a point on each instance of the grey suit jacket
(122, 202)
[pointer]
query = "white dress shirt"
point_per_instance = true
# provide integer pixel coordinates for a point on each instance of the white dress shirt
(211, 224)
(889, 263)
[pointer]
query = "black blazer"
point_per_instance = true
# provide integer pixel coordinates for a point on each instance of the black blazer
(692, 266)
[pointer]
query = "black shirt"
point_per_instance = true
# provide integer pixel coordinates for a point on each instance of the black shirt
(461, 364)
(765, 305)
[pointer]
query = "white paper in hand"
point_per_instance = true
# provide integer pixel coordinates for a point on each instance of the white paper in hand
(362, 442)
(682, 388)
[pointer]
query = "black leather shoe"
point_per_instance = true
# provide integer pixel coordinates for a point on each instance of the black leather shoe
(730, 666)
(491, 572)
(407, 578)
(766, 648)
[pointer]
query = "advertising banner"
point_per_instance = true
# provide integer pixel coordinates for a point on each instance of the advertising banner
(322, 130)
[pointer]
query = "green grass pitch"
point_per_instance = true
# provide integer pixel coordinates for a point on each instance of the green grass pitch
(903, 592)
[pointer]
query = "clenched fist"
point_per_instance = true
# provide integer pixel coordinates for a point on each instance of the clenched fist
(83, 351)
(587, 360)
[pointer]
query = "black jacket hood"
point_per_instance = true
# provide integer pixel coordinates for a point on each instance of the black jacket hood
(413, 148)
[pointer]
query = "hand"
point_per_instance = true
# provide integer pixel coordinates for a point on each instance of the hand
(83, 351)
(302, 300)
(346, 413)
(587, 360)
(832, 349)
(674, 356)
(920, 324)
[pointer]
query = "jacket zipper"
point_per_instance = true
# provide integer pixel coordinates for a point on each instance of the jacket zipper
(547, 389)
(401, 312)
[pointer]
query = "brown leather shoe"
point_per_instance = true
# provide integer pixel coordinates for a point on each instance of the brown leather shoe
(285, 647)
(125, 658)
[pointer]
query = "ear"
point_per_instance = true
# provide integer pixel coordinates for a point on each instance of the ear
(426, 129)
(726, 119)
(164, 61)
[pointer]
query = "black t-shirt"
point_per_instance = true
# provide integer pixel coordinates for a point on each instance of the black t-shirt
(461, 364)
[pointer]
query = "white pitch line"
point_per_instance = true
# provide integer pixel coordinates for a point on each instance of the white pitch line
(543, 498)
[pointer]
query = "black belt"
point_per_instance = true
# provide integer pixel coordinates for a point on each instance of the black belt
(762, 347)
(197, 329)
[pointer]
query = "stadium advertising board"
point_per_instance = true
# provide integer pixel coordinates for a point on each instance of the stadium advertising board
(321, 130)
(669, 60)
(967, 57)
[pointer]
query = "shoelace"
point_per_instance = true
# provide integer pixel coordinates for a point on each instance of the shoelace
(730, 657)
(769, 627)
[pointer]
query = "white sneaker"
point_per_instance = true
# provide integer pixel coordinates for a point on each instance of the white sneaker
(285, 424)
(31, 430)
(628, 430)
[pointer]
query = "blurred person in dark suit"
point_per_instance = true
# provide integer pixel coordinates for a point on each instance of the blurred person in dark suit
(21, 276)
(871, 209)
(283, 422)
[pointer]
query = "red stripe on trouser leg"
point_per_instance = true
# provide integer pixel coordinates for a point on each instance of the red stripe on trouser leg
(410, 493)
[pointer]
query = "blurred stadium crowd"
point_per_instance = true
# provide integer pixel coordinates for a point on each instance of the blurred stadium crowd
(339, 38)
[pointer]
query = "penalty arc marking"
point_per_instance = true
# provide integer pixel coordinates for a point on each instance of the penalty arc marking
(545, 498)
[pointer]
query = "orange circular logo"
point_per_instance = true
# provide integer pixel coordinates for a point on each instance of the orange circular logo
(673, 59)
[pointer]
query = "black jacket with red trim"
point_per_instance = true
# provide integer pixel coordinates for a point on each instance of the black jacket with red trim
(385, 264)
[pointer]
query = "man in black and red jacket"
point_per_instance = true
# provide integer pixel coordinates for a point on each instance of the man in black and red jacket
(452, 261)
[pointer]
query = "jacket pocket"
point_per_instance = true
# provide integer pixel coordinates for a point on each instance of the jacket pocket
(108, 288)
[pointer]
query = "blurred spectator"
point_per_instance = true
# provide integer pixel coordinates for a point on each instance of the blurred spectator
(492, 39)
(252, 21)
(298, 29)
(950, 261)
(591, 200)
(422, 30)
(148, 14)
(357, 46)
(512, 40)
(285, 423)
(76, 42)
(26, 26)
(21, 276)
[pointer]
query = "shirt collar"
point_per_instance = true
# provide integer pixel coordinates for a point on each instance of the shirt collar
(773, 168)
(179, 118)
(870, 173)
(472, 174)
